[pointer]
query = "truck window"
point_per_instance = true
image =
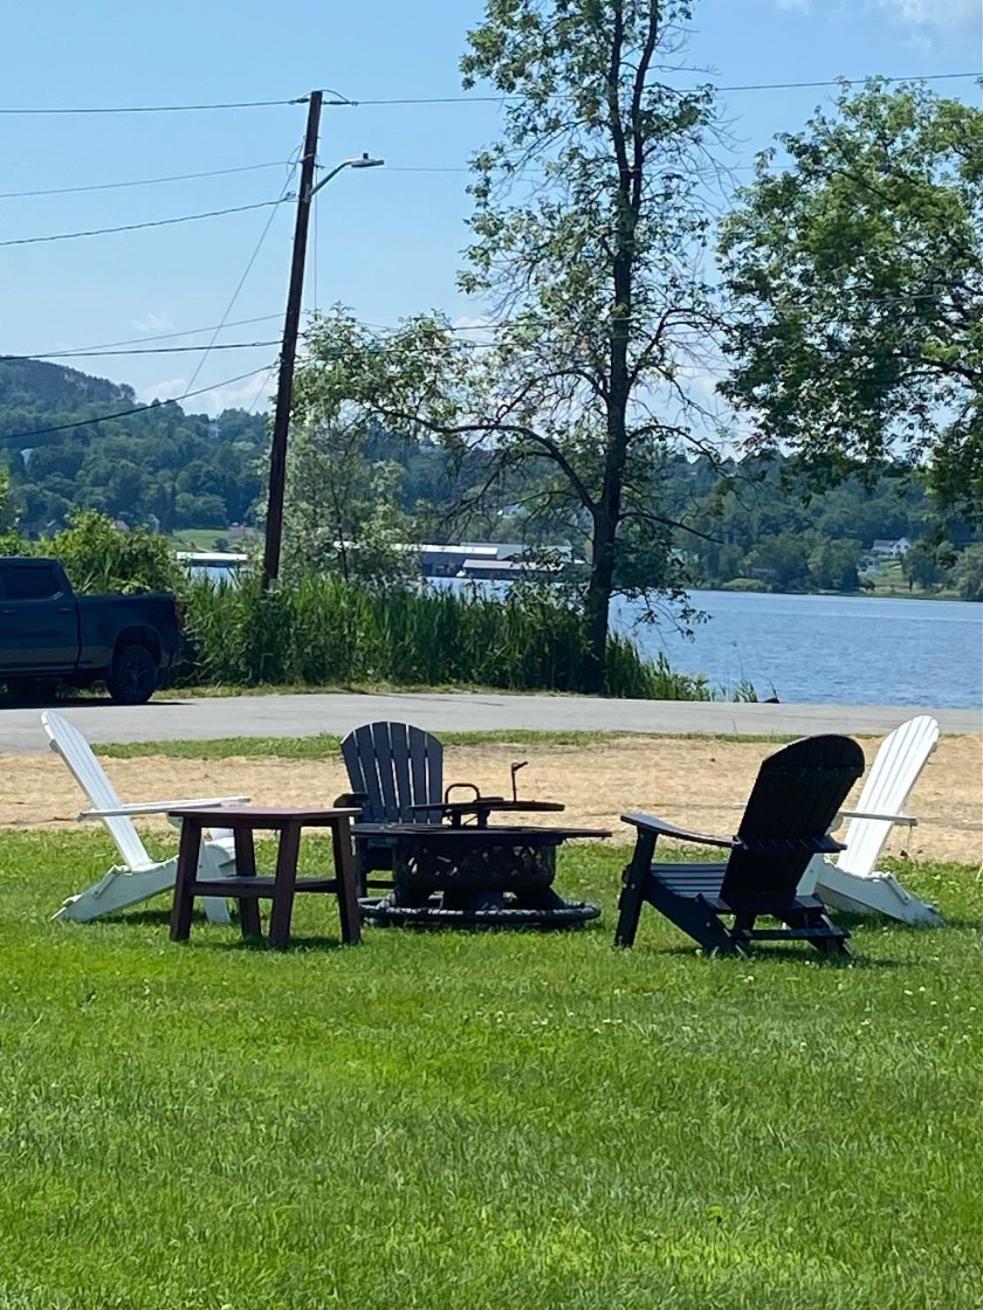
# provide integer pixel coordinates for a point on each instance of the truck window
(30, 582)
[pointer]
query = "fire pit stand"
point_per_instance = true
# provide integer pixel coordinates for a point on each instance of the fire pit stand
(475, 876)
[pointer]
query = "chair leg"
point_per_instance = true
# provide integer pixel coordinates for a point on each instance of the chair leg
(214, 862)
(117, 890)
(632, 898)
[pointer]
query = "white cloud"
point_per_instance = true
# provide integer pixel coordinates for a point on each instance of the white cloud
(165, 390)
(153, 323)
(950, 16)
(251, 393)
(947, 15)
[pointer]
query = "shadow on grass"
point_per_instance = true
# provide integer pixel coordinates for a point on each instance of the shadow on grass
(782, 954)
(261, 946)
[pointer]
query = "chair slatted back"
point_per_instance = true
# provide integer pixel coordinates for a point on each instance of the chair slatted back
(795, 799)
(902, 756)
(396, 766)
(68, 742)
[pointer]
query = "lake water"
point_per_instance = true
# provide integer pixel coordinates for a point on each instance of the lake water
(850, 650)
(840, 650)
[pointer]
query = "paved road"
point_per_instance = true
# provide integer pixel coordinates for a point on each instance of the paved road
(297, 716)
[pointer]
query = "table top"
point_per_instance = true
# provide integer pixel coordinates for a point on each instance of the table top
(501, 834)
(262, 816)
(492, 805)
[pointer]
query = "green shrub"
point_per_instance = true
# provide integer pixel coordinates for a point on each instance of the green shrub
(322, 630)
(744, 584)
(99, 557)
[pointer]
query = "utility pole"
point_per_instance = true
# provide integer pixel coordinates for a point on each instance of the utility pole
(288, 351)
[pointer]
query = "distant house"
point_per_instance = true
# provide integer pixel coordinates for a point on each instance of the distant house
(884, 549)
(121, 525)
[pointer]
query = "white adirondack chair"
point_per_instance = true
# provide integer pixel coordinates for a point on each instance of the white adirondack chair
(852, 882)
(140, 876)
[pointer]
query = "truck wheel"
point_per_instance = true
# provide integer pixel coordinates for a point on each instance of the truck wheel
(133, 677)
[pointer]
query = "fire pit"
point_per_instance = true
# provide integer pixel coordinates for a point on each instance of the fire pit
(475, 876)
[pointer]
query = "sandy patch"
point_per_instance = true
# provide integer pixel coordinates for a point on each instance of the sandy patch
(701, 782)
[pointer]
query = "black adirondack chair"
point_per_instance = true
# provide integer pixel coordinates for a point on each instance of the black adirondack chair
(797, 794)
(391, 767)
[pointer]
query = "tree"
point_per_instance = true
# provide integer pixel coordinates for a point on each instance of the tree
(920, 566)
(587, 238)
(342, 509)
(8, 517)
(856, 271)
(833, 565)
(781, 562)
(968, 572)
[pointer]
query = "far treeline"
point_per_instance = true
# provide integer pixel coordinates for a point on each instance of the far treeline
(755, 523)
(683, 396)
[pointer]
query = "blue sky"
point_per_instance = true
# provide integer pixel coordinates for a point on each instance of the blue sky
(388, 240)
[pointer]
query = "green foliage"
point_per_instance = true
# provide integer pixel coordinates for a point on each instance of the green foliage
(99, 557)
(968, 572)
(162, 464)
(744, 584)
(596, 266)
(490, 1120)
(856, 269)
(833, 565)
(321, 630)
(342, 512)
(8, 517)
(920, 566)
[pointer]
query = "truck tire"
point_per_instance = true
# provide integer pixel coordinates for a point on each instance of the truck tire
(133, 677)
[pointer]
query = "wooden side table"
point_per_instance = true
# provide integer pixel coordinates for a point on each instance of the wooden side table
(247, 887)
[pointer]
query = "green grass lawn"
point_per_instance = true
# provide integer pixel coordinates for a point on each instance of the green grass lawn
(482, 1121)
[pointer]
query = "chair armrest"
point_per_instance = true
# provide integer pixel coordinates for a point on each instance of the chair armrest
(649, 823)
(161, 807)
(351, 800)
(908, 819)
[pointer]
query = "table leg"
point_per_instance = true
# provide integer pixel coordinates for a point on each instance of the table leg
(348, 908)
(187, 867)
(245, 848)
(284, 885)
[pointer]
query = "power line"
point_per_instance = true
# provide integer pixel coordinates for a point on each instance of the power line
(750, 86)
(143, 181)
(342, 101)
(148, 350)
(246, 271)
(7, 437)
(155, 109)
(167, 336)
(135, 227)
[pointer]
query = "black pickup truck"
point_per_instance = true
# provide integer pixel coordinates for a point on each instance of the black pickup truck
(48, 635)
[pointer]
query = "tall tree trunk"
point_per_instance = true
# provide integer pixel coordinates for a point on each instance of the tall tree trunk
(607, 515)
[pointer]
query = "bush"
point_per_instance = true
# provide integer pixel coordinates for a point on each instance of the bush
(99, 557)
(744, 584)
(323, 631)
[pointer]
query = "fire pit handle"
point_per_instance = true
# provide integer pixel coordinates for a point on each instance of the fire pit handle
(454, 786)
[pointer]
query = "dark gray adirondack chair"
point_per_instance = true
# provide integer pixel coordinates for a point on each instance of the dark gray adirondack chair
(796, 797)
(391, 767)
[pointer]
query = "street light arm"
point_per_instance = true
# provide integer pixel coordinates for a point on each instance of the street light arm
(345, 163)
(362, 161)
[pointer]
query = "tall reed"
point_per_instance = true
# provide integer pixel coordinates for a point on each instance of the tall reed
(323, 631)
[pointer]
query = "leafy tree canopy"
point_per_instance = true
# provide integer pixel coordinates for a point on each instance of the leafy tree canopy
(856, 271)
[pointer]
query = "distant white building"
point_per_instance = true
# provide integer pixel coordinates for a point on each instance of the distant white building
(884, 549)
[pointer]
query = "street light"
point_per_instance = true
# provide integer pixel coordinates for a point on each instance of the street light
(360, 161)
(281, 421)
